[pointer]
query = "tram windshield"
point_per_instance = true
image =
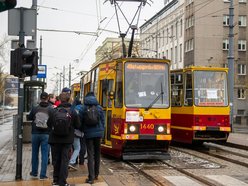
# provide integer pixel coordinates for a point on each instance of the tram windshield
(144, 82)
(210, 88)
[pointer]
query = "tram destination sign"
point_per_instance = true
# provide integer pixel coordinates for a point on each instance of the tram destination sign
(143, 66)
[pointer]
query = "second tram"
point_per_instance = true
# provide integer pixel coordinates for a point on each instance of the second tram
(135, 96)
(200, 106)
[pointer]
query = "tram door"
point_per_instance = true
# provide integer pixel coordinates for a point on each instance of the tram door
(106, 102)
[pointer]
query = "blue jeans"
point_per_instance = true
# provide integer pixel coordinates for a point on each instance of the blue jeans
(39, 141)
(76, 150)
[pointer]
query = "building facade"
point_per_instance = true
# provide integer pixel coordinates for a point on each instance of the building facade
(196, 32)
(111, 48)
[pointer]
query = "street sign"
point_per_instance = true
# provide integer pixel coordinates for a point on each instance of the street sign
(29, 21)
(42, 71)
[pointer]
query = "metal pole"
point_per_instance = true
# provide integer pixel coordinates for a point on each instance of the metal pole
(69, 75)
(63, 76)
(34, 6)
(60, 76)
(157, 38)
(20, 108)
(230, 58)
(20, 130)
(40, 50)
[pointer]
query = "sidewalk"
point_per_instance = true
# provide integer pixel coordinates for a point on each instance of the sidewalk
(238, 139)
(8, 170)
(75, 178)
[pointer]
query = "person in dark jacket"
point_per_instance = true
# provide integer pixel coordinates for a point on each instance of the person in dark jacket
(93, 135)
(61, 145)
(40, 136)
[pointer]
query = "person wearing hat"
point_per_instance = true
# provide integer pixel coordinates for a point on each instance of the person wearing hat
(93, 135)
(41, 117)
(67, 90)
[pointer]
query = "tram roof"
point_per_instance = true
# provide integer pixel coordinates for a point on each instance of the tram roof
(192, 68)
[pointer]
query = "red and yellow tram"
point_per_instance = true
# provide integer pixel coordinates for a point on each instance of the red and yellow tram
(75, 91)
(135, 96)
(200, 107)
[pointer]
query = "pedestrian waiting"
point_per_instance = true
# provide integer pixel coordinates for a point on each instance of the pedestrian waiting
(61, 137)
(41, 118)
(93, 124)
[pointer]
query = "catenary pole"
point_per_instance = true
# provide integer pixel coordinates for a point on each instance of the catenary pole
(230, 58)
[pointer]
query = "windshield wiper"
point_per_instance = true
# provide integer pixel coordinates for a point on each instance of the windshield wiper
(157, 98)
(154, 101)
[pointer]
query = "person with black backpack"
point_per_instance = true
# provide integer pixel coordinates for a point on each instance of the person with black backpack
(41, 118)
(61, 137)
(93, 124)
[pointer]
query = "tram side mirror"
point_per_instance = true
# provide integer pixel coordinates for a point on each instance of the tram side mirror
(111, 95)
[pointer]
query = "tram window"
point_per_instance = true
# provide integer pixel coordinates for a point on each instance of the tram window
(179, 78)
(176, 94)
(172, 79)
(118, 86)
(188, 101)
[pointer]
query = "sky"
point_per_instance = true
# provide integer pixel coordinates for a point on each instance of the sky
(63, 48)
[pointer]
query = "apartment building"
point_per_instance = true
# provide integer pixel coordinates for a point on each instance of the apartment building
(196, 32)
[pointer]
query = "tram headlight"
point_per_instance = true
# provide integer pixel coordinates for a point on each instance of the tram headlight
(161, 129)
(132, 128)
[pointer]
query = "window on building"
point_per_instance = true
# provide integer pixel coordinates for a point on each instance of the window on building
(242, 45)
(176, 54)
(242, 1)
(241, 93)
(242, 20)
(163, 38)
(180, 52)
(181, 27)
(171, 54)
(167, 35)
(176, 29)
(241, 112)
(172, 31)
(241, 69)
(225, 44)
(226, 20)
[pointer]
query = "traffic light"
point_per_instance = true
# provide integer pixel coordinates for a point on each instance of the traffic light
(7, 4)
(24, 62)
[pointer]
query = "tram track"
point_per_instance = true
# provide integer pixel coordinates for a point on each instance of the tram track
(223, 154)
(189, 174)
(151, 178)
(146, 175)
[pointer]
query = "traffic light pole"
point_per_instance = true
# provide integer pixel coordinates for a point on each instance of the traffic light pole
(20, 129)
(20, 108)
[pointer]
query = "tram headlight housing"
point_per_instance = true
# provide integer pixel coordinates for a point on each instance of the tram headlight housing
(133, 129)
(161, 129)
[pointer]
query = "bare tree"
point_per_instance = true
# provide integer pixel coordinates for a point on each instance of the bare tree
(3, 61)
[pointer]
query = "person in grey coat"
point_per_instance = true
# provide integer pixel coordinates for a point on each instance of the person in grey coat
(93, 135)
